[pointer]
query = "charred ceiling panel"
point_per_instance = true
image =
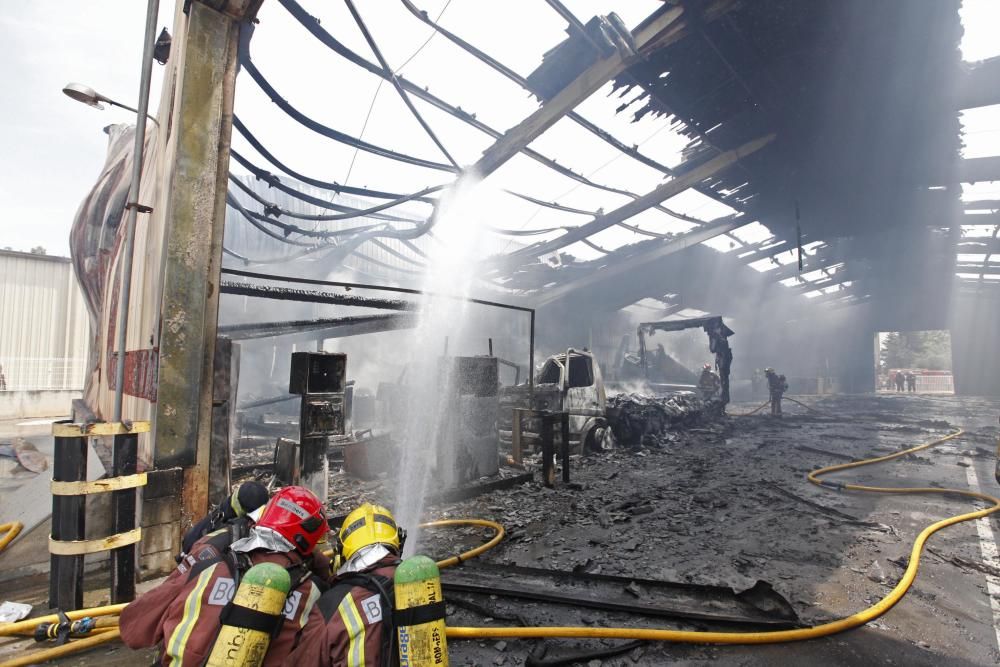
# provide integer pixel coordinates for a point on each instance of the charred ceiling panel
(863, 99)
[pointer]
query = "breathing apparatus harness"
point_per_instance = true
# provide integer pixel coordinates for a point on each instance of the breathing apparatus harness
(238, 563)
(235, 528)
(379, 585)
(375, 583)
(243, 617)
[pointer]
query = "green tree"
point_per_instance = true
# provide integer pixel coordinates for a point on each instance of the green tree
(930, 350)
(895, 353)
(933, 350)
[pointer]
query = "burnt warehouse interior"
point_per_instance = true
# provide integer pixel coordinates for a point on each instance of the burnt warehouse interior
(548, 333)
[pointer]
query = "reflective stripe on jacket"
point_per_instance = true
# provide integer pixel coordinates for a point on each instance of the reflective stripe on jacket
(352, 634)
(181, 615)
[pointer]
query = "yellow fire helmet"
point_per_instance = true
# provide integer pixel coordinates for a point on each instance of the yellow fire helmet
(367, 525)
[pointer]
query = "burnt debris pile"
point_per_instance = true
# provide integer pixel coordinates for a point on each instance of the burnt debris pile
(642, 420)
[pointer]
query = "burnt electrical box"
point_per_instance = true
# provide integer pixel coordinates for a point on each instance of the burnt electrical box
(321, 379)
(322, 415)
(317, 373)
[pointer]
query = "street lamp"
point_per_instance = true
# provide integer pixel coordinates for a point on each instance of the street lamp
(92, 98)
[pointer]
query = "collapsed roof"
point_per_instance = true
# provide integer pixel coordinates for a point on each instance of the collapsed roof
(828, 126)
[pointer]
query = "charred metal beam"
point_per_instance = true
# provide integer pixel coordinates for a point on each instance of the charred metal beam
(635, 262)
(981, 205)
(366, 286)
(824, 299)
(992, 267)
(832, 280)
(980, 85)
(645, 202)
(403, 290)
(992, 218)
(810, 263)
(195, 175)
(984, 245)
(510, 74)
(852, 300)
(974, 170)
(308, 296)
(762, 249)
(653, 34)
(330, 327)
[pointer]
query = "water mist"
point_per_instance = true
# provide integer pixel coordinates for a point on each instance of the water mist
(452, 264)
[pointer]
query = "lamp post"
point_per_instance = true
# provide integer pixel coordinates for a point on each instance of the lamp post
(92, 98)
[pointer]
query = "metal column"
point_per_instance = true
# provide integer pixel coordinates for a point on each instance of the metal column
(123, 506)
(68, 522)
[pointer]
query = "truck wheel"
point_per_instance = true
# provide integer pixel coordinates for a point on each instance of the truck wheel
(599, 439)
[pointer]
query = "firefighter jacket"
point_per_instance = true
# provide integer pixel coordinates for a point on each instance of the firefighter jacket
(777, 384)
(356, 628)
(709, 382)
(181, 615)
(214, 523)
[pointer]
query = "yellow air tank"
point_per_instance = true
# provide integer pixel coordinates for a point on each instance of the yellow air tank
(262, 593)
(419, 615)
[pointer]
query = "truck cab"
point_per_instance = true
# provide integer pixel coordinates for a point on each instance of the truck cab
(567, 382)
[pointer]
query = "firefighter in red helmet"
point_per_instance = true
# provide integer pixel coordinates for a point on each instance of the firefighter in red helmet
(183, 614)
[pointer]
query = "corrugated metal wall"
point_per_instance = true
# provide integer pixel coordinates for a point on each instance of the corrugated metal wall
(43, 323)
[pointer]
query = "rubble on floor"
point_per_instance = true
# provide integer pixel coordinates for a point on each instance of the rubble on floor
(642, 419)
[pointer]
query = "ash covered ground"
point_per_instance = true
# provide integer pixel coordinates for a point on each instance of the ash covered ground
(727, 503)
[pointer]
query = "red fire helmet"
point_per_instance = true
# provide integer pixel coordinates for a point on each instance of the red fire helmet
(296, 514)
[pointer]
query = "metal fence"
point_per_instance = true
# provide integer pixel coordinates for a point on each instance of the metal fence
(933, 382)
(42, 374)
(944, 384)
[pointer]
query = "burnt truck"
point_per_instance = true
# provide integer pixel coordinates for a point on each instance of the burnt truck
(567, 382)
(571, 382)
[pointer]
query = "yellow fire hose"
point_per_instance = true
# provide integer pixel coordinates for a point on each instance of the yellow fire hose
(96, 638)
(103, 624)
(10, 530)
(7, 629)
(103, 634)
(677, 636)
(471, 553)
(779, 636)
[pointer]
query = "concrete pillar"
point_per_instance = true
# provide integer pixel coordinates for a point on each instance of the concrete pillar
(195, 215)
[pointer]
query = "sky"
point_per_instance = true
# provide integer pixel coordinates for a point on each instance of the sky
(54, 147)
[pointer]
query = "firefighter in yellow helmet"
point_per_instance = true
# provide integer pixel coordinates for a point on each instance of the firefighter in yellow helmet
(358, 629)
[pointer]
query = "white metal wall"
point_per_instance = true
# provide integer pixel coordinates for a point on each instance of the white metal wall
(43, 324)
